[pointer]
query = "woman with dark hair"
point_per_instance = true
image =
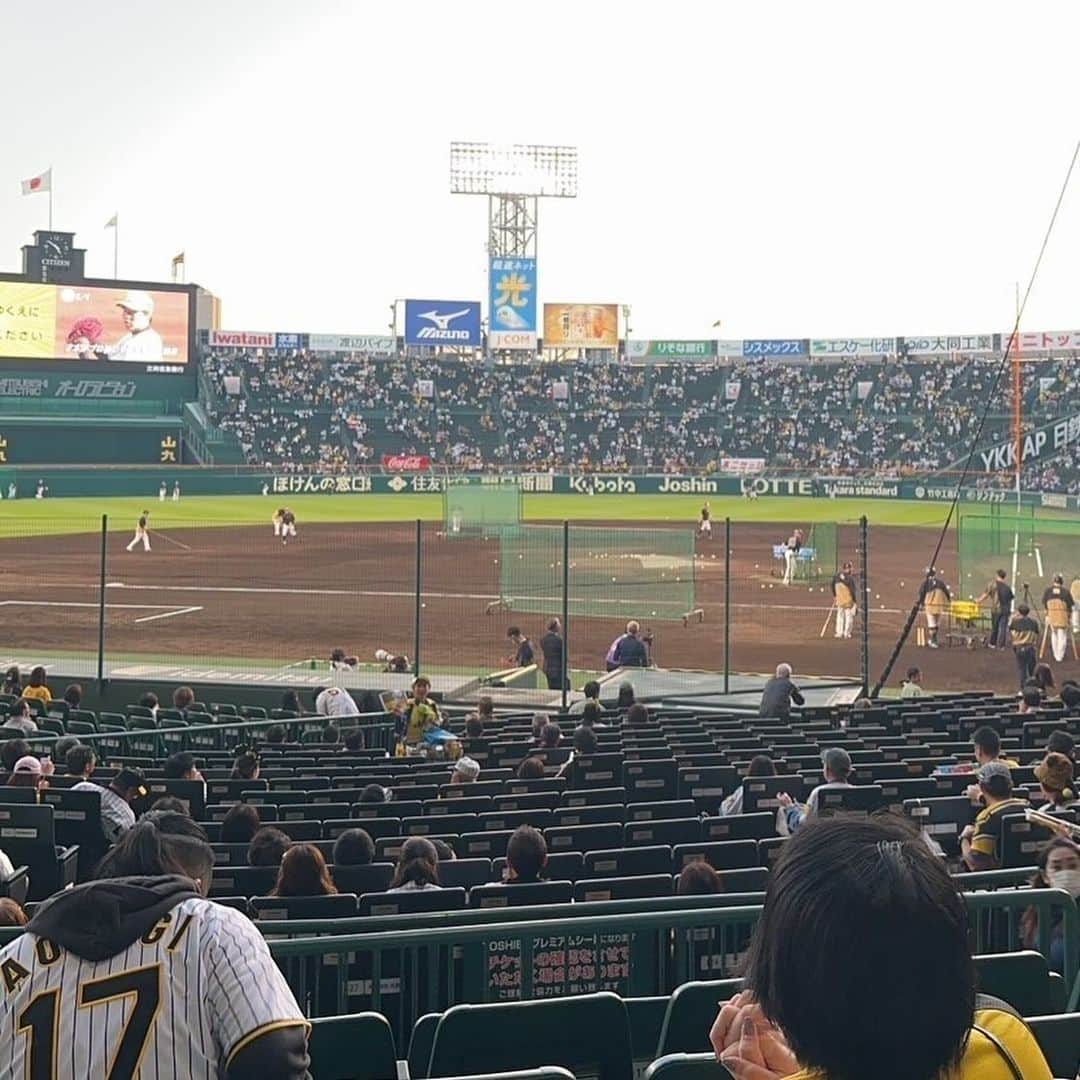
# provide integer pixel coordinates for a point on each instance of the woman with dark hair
(1043, 678)
(246, 766)
(36, 687)
(532, 768)
(303, 872)
(417, 868)
(13, 681)
(290, 702)
(240, 824)
(73, 695)
(698, 878)
(1058, 868)
(626, 695)
(149, 700)
(760, 765)
(860, 967)
(161, 843)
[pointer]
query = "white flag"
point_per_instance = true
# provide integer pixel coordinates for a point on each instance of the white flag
(37, 184)
(112, 222)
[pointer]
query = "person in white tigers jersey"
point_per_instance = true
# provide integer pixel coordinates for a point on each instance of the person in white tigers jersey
(136, 974)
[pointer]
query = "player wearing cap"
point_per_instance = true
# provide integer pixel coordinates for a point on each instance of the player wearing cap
(979, 842)
(162, 491)
(844, 592)
(705, 524)
(117, 816)
(936, 599)
(288, 525)
(1074, 592)
(137, 974)
(176, 491)
(791, 555)
(1059, 606)
(278, 514)
(141, 344)
(142, 532)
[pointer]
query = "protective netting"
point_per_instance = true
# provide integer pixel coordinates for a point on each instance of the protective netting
(473, 510)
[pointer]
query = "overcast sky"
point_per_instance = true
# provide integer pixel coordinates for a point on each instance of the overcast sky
(792, 169)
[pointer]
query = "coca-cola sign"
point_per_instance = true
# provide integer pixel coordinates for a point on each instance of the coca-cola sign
(406, 462)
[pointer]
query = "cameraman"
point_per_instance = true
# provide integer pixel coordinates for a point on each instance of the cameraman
(628, 650)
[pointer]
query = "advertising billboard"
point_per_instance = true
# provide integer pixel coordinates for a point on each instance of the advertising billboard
(442, 322)
(512, 299)
(147, 327)
(581, 326)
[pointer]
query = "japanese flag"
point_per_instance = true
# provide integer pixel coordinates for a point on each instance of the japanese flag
(37, 184)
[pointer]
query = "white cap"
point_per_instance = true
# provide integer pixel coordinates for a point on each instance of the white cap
(137, 300)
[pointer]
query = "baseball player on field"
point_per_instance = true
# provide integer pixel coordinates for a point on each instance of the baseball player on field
(705, 524)
(288, 525)
(276, 519)
(844, 590)
(791, 555)
(161, 492)
(176, 491)
(137, 974)
(1074, 592)
(142, 532)
(1058, 602)
(936, 600)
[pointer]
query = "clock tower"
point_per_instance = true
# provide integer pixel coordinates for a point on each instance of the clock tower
(54, 258)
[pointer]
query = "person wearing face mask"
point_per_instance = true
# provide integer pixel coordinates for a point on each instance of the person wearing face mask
(1059, 868)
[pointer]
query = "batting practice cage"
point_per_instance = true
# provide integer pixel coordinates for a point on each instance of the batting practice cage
(817, 561)
(607, 572)
(1030, 550)
(472, 510)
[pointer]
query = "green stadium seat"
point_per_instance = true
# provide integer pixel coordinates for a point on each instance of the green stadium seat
(252, 712)
(59, 708)
(52, 725)
(548, 1072)
(112, 721)
(646, 1019)
(420, 1043)
(588, 1033)
(687, 1067)
(356, 1047)
(81, 727)
(1021, 978)
(691, 1013)
(1059, 1040)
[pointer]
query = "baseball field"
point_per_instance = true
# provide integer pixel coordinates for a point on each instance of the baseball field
(217, 586)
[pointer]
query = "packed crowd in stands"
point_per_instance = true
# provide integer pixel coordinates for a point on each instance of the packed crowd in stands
(297, 411)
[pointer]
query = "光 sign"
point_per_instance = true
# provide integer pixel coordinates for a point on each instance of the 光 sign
(442, 322)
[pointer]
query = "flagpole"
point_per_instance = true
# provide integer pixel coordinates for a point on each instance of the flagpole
(116, 249)
(50, 198)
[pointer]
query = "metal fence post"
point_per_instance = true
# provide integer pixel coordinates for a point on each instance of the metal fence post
(727, 604)
(565, 613)
(101, 602)
(416, 600)
(864, 573)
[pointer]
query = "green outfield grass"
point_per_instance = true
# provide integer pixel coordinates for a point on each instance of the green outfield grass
(55, 516)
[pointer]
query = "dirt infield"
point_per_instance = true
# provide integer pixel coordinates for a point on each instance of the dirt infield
(237, 594)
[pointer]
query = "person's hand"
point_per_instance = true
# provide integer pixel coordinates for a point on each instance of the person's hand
(967, 832)
(761, 1052)
(784, 800)
(973, 792)
(47, 766)
(724, 1031)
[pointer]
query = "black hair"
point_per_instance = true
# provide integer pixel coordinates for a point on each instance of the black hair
(987, 740)
(761, 765)
(699, 878)
(474, 727)
(1043, 677)
(171, 804)
(912, 672)
(178, 765)
(418, 863)
(637, 714)
(290, 701)
(626, 696)
(240, 824)
(444, 851)
(1070, 694)
(161, 842)
(275, 733)
(550, 735)
(373, 793)
(63, 745)
(20, 708)
(73, 695)
(331, 734)
(354, 847)
(1030, 696)
(11, 751)
(997, 787)
(824, 971)
(591, 689)
(584, 740)
(1061, 742)
(37, 676)
(513, 631)
(526, 854)
(1023, 609)
(78, 759)
(592, 712)
(532, 768)
(148, 700)
(1001, 574)
(267, 846)
(303, 872)
(245, 766)
(354, 739)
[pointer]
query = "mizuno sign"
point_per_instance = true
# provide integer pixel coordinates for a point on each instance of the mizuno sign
(442, 322)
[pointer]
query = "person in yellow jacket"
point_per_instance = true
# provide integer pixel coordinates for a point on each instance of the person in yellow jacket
(36, 687)
(861, 967)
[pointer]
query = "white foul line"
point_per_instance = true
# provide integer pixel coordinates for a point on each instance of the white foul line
(78, 603)
(169, 614)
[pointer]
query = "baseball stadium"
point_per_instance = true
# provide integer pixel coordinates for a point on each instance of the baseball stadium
(497, 693)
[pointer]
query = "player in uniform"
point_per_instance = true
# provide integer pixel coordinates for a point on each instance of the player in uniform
(1000, 592)
(791, 555)
(455, 520)
(142, 532)
(1024, 635)
(138, 975)
(276, 519)
(705, 525)
(1074, 592)
(1059, 606)
(935, 598)
(844, 590)
(162, 491)
(288, 525)
(176, 491)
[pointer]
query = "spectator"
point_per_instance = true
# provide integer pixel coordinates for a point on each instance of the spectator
(443, 850)
(19, 719)
(1043, 678)
(11, 912)
(331, 735)
(532, 768)
(36, 687)
(1061, 742)
(73, 695)
(835, 885)
(1030, 699)
(524, 654)
(303, 872)
(592, 714)
(637, 714)
(466, 770)
(474, 727)
(550, 737)
(1055, 776)
(1070, 695)
(275, 735)
(181, 766)
(591, 690)
(485, 709)
(551, 646)
(987, 744)
(149, 700)
(13, 682)
(81, 761)
(760, 765)
(63, 745)
(627, 650)
(778, 694)
(912, 687)
(117, 815)
(354, 740)
(979, 841)
(333, 701)
(526, 856)
(584, 740)
(240, 824)
(267, 847)
(1058, 868)
(28, 773)
(836, 764)
(183, 699)
(374, 794)
(698, 878)
(10, 752)
(169, 804)
(354, 847)
(540, 721)
(417, 868)
(246, 766)
(290, 702)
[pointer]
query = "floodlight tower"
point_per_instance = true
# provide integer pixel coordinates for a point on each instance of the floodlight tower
(514, 178)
